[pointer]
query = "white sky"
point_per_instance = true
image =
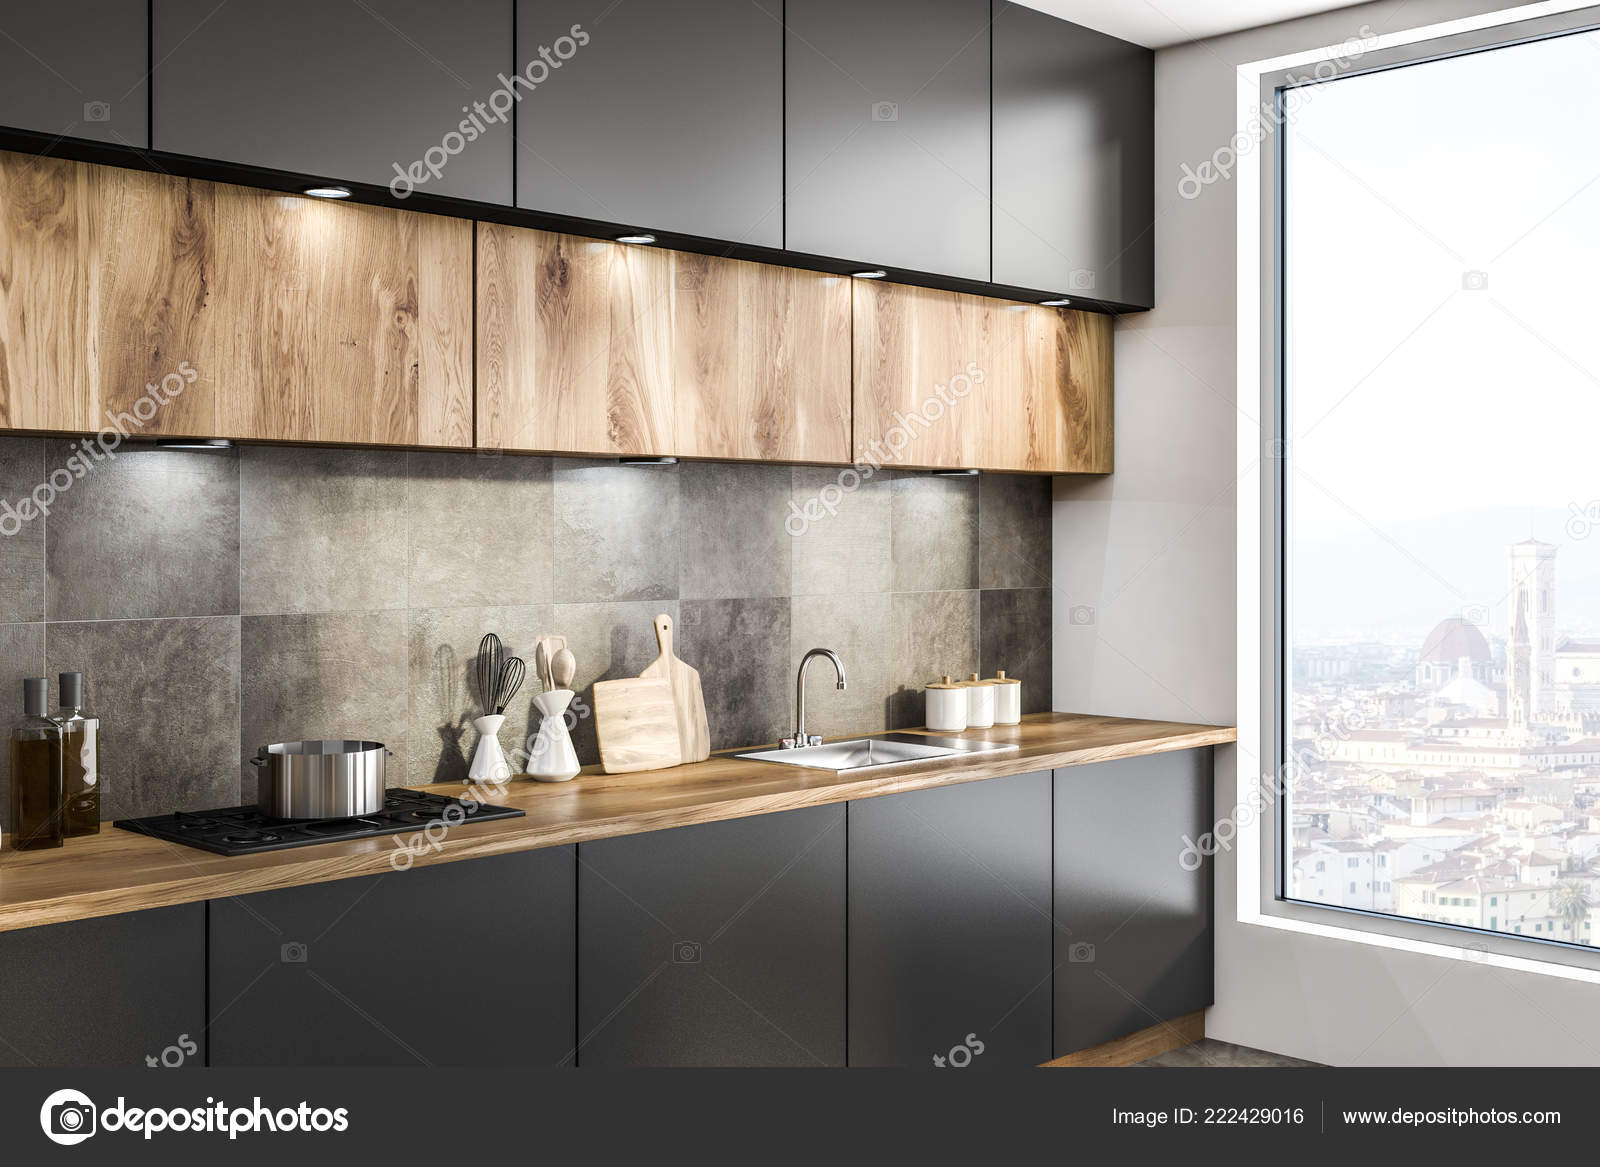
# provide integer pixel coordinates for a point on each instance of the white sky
(1410, 396)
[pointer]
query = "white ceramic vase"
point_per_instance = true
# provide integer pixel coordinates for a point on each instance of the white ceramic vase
(488, 759)
(551, 757)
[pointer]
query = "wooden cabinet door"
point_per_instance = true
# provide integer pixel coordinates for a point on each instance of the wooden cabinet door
(949, 380)
(287, 318)
(592, 347)
(761, 362)
(950, 946)
(1133, 897)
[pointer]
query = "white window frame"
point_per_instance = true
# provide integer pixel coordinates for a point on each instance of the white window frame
(1260, 473)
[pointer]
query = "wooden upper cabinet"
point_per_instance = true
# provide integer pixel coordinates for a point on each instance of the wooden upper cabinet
(592, 347)
(948, 380)
(289, 319)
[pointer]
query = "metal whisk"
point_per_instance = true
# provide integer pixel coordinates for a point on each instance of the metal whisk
(491, 661)
(512, 674)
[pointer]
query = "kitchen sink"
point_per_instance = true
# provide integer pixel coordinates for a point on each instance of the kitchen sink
(874, 750)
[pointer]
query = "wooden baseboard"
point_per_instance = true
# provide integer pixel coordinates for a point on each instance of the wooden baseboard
(1136, 1047)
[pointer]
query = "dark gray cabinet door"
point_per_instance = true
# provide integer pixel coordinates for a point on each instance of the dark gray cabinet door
(1074, 159)
(109, 992)
(76, 68)
(341, 91)
(950, 925)
(887, 133)
(669, 116)
(715, 945)
(1133, 899)
(460, 964)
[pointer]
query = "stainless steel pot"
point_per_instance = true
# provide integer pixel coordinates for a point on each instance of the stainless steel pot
(320, 779)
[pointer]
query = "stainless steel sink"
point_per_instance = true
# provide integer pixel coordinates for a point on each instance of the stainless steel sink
(874, 750)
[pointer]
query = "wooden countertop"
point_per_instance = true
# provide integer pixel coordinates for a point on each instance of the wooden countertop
(118, 871)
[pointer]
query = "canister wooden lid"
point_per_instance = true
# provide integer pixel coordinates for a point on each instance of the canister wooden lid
(1000, 678)
(944, 683)
(974, 679)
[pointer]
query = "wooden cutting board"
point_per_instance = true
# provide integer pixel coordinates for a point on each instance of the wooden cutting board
(694, 731)
(636, 722)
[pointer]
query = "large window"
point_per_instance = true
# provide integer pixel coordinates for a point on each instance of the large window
(1440, 474)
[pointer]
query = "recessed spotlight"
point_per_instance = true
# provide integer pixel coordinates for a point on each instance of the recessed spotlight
(648, 461)
(874, 274)
(954, 473)
(1061, 303)
(327, 192)
(640, 237)
(193, 444)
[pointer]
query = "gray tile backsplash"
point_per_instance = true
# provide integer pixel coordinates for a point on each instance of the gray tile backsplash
(218, 601)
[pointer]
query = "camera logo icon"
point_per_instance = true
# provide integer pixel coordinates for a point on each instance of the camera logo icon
(1080, 279)
(293, 952)
(1081, 953)
(686, 952)
(1080, 616)
(97, 111)
(1474, 281)
(885, 111)
(68, 1117)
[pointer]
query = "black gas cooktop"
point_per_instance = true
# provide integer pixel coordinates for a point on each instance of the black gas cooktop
(244, 830)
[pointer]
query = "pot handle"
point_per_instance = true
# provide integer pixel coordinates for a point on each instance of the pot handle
(258, 760)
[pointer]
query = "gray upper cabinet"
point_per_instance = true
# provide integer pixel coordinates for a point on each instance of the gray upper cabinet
(887, 133)
(76, 68)
(628, 132)
(342, 91)
(1074, 159)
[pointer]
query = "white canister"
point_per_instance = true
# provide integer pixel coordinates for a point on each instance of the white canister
(947, 706)
(980, 703)
(1007, 698)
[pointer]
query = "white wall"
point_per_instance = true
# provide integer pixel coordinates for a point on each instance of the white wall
(1151, 549)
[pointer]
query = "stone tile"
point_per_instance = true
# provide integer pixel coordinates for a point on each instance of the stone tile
(1015, 630)
(21, 656)
(935, 533)
(840, 540)
(1013, 531)
(21, 542)
(321, 530)
(324, 675)
(934, 633)
(442, 654)
(741, 648)
(858, 628)
(478, 530)
(733, 542)
(146, 534)
(616, 532)
(1210, 1053)
(167, 695)
(609, 641)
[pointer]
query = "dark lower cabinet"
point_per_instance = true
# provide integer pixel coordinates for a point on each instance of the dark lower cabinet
(109, 992)
(1133, 899)
(458, 964)
(715, 945)
(950, 925)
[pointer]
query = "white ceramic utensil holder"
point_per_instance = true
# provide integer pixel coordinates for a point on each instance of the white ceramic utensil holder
(551, 757)
(488, 759)
(946, 706)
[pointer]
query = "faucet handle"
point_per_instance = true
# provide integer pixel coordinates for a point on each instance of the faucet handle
(790, 743)
(814, 739)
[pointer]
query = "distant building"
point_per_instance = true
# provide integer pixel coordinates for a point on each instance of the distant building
(1578, 676)
(1531, 648)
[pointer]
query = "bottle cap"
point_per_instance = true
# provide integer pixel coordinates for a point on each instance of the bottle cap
(35, 696)
(71, 690)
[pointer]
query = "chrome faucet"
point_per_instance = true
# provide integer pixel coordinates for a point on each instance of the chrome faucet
(800, 739)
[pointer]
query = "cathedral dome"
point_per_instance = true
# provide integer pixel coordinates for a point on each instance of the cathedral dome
(1453, 639)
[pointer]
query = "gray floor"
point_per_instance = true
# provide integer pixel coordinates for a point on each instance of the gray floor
(1210, 1052)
